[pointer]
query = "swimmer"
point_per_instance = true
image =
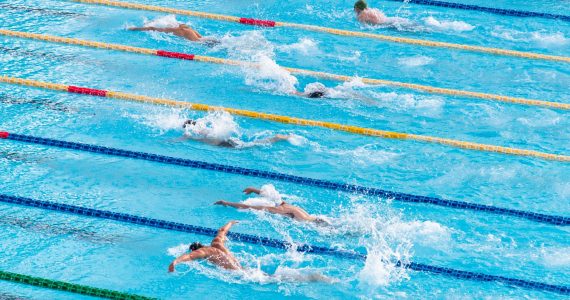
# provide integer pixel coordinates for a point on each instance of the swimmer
(219, 255)
(203, 135)
(373, 16)
(216, 253)
(280, 208)
(317, 90)
(183, 31)
(314, 91)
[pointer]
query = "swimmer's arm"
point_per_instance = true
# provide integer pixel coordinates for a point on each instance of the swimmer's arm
(242, 206)
(250, 190)
(194, 255)
(151, 28)
(220, 238)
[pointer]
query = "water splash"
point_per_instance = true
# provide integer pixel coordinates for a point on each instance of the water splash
(415, 61)
(168, 21)
(216, 125)
(304, 46)
(458, 26)
(253, 47)
(541, 38)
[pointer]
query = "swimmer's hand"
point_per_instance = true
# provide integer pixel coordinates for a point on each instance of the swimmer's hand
(250, 190)
(221, 202)
(171, 268)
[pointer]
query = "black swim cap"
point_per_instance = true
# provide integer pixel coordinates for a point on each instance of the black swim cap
(360, 5)
(187, 122)
(316, 94)
(195, 246)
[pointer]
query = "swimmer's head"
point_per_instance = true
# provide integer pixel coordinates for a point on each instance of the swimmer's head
(316, 94)
(360, 5)
(189, 122)
(195, 246)
(315, 90)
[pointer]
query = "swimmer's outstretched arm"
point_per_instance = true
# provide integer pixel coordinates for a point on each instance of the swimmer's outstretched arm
(245, 206)
(239, 205)
(151, 28)
(194, 255)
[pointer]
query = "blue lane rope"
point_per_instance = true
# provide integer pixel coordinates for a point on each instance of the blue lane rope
(497, 11)
(280, 244)
(337, 186)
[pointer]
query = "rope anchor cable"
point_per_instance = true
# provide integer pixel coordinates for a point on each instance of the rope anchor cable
(67, 287)
(328, 76)
(329, 185)
(288, 120)
(279, 244)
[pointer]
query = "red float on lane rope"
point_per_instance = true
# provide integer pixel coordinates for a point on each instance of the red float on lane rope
(4, 134)
(86, 91)
(175, 55)
(263, 23)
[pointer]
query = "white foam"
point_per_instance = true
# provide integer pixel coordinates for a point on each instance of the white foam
(270, 76)
(345, 90)
(378, 270)
(286, 274)
(259, 201)
(415, 61)
(550, 40)
(268, 191)
(541, 38)
(426, 104)
(268, 196)
(253, 47)
(217, 125)
(426, 233)
(247, 46)
(178, 250)
(555, 257)
(161, 119)
(168, 21)
(353, 56)
(458, 26)
(297, 140)
(304, 46)
(367, 154)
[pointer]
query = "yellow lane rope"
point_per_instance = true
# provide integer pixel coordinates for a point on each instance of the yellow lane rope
(419, 42)
(290, 120)
(418, 87)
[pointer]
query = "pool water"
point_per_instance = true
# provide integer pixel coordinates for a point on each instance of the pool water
(134, 259)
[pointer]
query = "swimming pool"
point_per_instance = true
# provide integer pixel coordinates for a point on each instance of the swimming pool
(134, 259)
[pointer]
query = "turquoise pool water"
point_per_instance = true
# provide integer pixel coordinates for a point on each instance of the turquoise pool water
(134, 259)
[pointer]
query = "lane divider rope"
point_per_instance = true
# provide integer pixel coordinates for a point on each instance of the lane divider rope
(68, 287)
(497, 11)
(323, 75)
(280, 244)
(268, 175)
(286, 120)
(268, 23)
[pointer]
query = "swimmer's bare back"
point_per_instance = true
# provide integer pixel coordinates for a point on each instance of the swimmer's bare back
(182, 31)
(216, 253)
